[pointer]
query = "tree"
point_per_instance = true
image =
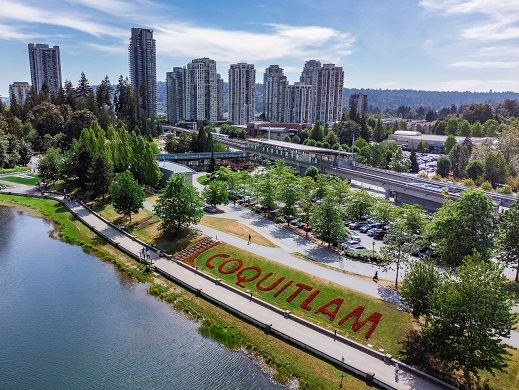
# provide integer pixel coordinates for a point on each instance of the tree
(49, 165)
(289, 193)
(469, 316)
(474, 170)
(399, 163)
(450, 141)
(384, 211)
(178, 206)
(452, 126)
(443, 166)
(399, 242)
(359, 204)
(418, 286)
(496, 170)
(477, 112)
(326, 220)
(215, 193)
(413, 216)
(265, 187)
(507, 244)
(462, 227)
(464, 128)
(415, 167)
(101, 173)
(379, 133)
(312, 172)
(127, 196)
(317, 133)
(460, 156)
(422, 147)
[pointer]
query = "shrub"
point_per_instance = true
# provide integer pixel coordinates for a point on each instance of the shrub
(505, 189)
(468, 182)
(365, 256)
(486, 186)
(336, 146)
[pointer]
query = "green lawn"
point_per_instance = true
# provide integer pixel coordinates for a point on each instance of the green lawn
(203, 180)
(33, 180)
(15, 169)
(391, 328)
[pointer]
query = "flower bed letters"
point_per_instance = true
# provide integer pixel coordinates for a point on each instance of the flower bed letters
(292, 290)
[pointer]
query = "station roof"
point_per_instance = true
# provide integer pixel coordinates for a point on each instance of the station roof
(298, 147)
(175, 168)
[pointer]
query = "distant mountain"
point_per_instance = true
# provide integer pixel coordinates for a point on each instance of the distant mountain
(382, 98)
(393, 98)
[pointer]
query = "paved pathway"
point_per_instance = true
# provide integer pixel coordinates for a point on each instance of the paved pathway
(300, 333)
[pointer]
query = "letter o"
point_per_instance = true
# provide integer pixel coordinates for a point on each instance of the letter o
(238, 265)
(240, 279)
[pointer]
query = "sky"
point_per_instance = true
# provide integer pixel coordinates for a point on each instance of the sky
(420, 44)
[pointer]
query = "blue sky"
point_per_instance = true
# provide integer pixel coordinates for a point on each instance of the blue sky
(420, 44)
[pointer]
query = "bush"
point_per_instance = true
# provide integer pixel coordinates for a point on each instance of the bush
(486, 186)
(505, 189)
(325, 145)
(311, 142)
(336, 146)
(468, 182)
(280, 219)
(365, 256)
(345, 147)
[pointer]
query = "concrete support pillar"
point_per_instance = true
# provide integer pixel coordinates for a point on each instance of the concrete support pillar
(388, 194)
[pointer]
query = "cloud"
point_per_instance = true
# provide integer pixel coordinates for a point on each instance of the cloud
(80, 22)
(486, 64)
(277, 41)
(500, 18)
(108, 49)
(10, 33)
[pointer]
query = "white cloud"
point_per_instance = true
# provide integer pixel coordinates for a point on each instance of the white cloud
(30, 14)
(108, 49)
(277, 42)
(9, 33)
(486, 64)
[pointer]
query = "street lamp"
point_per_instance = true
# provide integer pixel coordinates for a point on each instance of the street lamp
(373, 247)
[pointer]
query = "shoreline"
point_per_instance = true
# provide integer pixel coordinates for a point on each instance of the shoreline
(289, 365)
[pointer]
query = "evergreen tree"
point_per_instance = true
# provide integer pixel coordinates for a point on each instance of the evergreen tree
(507, 245)
(100, 174)
(379, 134)
(15, 108)
(317, 133)
(415, 167)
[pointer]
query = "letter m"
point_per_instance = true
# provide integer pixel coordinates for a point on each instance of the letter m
(356, 313)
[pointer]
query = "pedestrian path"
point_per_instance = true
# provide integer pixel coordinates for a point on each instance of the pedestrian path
(341, 352)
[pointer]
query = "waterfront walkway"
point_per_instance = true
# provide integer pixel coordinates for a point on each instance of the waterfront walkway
(341, 352)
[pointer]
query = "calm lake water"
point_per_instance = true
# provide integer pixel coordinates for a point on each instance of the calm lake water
(71, 321)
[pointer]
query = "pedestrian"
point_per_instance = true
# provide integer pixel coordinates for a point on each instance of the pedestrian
(375, 277)
(250, 238)
(397, 370)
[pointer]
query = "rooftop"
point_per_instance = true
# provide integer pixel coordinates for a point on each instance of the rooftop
(175, 168)
(298, 147)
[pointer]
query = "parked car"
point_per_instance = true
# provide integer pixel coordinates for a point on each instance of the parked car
(300, 224)
(210, 209)
(364, 228)
(355, 238)
(356, 247)
(295, 221)
(354, 226)
(379, 234)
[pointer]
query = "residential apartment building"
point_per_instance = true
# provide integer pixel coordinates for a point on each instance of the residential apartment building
(219, 93)
(298, 103)
(175, 94)
(275, 84)
(143, 75)
(20, 90)
(242, 80)
(201, 91)
(358, 105)
(45, 67)
(326, 81)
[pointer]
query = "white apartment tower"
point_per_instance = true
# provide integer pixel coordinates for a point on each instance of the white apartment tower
(275, 84)
(298, 103)
(201, 91)
(242, 81)
(20, 90)
(327, 83)
(175, 94)
(45, 66)
(143, 74)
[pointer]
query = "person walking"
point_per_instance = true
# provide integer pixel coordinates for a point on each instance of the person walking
(375, 277)
(397, 371)
(250, 238)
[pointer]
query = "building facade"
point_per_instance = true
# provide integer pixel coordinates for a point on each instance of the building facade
(45, 64)
(143, 74)
(358, 106)
(275, 84)
(20, 90)
(327, 82)
(201, 95)
(175, 94)
(298, 103)
(219, 93)
(242, 83)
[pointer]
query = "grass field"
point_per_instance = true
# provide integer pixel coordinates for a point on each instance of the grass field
(21, 180)
(15, 169)
(286, 361)
(145, 225)
(237, 229)
(391, 329)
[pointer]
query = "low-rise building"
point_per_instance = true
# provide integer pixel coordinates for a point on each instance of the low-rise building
(409, 140)
(169, 168)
